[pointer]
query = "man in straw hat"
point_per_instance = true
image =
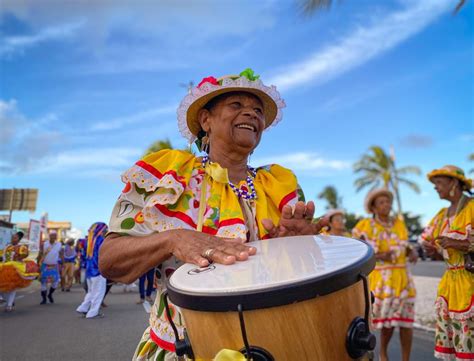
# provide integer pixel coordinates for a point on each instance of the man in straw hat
(390, 281)
(177, 207)
(450, 234)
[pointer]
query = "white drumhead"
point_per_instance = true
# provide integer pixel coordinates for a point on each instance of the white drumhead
(278, 262)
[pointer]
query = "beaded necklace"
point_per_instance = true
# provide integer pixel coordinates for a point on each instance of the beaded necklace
(241, 192)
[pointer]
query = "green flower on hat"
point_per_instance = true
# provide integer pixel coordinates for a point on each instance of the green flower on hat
(249, 74)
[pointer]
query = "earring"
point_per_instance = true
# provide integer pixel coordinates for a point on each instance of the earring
(451, 192)
(205, 144)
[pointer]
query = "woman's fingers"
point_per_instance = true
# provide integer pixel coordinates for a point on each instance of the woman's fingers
(310, 209)
(300, 210)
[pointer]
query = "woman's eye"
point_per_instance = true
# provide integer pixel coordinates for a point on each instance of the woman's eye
(236, 104)
(258, 110)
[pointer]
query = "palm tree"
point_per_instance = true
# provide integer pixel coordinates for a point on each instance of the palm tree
(378, 169)
(158, 145)
(310, 6)
(329, 194)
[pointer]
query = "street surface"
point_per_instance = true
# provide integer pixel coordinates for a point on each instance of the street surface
(55, 332)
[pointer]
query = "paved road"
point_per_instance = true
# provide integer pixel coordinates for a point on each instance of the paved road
(56, 332)
(428, 268)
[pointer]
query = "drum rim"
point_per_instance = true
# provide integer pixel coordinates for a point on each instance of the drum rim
(277, 295)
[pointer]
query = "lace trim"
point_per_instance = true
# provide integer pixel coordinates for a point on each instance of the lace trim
(442, 309)
(207, 88)
(150, 182)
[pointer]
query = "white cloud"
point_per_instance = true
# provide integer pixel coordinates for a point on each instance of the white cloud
(12, 44)
(23, 141)
(142, 116)
(365, 43)
(467, 137)
(92, 160)
(304, 161)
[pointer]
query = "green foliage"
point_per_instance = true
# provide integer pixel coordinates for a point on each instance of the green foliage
(351, 220)
(158, 145)
(330, 195)
(413, 223)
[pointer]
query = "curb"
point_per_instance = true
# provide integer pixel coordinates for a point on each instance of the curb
(422, 327)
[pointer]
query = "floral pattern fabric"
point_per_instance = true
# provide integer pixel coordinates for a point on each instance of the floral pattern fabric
(163, 192)
(390, 281)
(454, 339)
(16, 273)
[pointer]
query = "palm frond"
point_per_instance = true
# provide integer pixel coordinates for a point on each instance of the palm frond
(310, 6)
(412, 185)
(409, 169)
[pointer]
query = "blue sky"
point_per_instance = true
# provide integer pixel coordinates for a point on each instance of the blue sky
(85, 88)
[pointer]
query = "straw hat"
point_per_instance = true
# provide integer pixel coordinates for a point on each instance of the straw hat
(333, 212)
(211, 87)
(453, 172)
(370, 197)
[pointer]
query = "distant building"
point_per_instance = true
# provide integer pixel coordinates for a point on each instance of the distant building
(59, 227)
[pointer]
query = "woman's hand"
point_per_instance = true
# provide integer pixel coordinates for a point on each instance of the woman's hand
(295, 223)
(413, 256)
(201, 248)
(459, 244)
(385, 256)
(430, 248)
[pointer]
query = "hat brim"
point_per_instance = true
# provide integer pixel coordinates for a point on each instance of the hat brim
(270, 108)
(445, 173)
(374, 194)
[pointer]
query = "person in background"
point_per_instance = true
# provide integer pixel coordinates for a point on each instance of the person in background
(336, 226)
(96, 284)
(149, 278)
(450, 234)
(78, 264)
(390, 281)
(68, 265)
(49, 255)
(15, 271)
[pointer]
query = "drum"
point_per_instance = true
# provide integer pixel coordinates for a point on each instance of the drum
(298, 298)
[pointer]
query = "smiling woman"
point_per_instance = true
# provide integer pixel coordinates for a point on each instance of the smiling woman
(177, 207)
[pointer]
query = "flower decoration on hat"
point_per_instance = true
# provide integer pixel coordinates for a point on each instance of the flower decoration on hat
(210, 87)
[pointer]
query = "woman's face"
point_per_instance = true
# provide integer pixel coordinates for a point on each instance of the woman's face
(15, 239)
(382, 205)
(337, 222)
(236, 121)
(443, 185)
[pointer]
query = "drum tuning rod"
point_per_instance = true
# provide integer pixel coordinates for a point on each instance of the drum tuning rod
(244, 332)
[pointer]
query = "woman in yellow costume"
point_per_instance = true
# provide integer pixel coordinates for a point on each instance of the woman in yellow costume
(177, 207)
(391, 281)
(15, 271)
(450, 234)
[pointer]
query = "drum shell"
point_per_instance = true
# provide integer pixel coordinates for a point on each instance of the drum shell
(313, 330)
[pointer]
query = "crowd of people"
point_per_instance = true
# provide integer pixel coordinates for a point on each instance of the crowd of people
(178, 207)
(62, 264)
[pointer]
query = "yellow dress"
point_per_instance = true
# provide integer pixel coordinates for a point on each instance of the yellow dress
(16, 273)
(454, 338)
(390, 281)
(164, 192)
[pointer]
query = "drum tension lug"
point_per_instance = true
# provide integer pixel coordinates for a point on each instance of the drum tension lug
(359, 339)
(182, 346)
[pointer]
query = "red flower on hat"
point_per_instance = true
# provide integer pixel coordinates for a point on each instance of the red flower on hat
(209, 79)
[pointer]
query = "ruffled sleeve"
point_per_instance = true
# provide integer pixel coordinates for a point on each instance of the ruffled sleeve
(158, 179)
(433, 229)
(363, 230)
(275, 186)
